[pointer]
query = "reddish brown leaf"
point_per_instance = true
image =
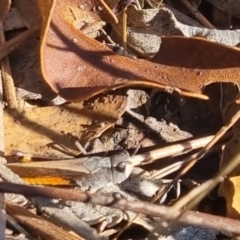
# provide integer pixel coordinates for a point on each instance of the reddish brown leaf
(77, 67)
(198, 53)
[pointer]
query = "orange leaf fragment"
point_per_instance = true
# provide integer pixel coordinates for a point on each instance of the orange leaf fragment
(53, 181)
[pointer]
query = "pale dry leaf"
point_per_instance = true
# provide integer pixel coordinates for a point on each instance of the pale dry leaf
(38, 130)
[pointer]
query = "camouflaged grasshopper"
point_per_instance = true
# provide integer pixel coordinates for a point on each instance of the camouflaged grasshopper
(88, 172)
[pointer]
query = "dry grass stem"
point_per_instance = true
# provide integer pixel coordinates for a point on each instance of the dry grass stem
(116, 201)
(8, 84)
(110, 13)
(194, 11)
(170, 150)
(197, 194)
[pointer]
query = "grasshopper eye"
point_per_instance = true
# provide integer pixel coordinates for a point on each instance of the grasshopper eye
(121, 167)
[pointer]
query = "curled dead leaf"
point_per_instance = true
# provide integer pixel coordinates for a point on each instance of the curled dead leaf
(77, 67)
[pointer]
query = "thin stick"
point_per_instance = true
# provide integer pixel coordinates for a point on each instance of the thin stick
(2, 160)
(200, 192)
(178, 165)
(16, 226)
(8, 84)
(15, 43)
(108, 11)
(124, 32)
(194, 11)
(116, 201)
(170, 150)
(189, 162)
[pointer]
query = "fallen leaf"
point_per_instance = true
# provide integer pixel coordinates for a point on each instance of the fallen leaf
(214, 62)
(77, 67)
(87, 67)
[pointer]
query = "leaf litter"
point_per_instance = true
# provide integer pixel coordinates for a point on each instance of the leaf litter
(43, 124)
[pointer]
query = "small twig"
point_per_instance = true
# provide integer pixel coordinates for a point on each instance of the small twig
(124, 31)
(189, 162)
(8, 84)
(116, 201)
(81, 148)
(178, 165)
(155, 3)
(108, 11)
(200, 192)
(15, 43)
(170, 150)
(107, 37)
(17, 227)
(194, 11)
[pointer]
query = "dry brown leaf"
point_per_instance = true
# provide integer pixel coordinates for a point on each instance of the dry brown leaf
(39, 129)
(87, 67)
(214, 62)
(77, 67)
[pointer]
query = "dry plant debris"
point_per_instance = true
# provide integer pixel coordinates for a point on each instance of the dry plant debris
(68, 93)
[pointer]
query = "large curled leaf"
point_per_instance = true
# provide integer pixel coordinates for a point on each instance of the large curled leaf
(77, 67)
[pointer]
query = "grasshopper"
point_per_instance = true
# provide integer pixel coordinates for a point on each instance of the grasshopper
(93, 171)
(99, 171)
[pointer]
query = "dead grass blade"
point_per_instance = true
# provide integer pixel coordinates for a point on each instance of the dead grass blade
(197, 194)
(170, 150)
